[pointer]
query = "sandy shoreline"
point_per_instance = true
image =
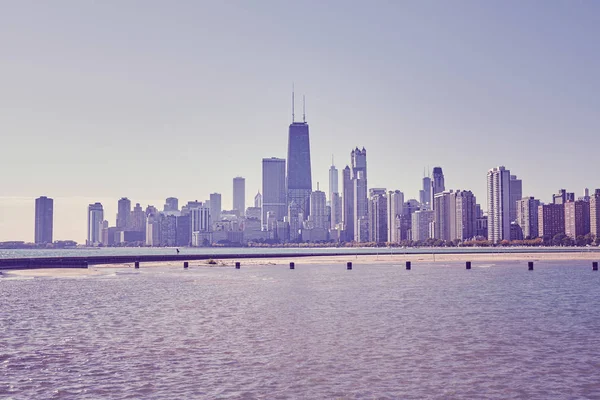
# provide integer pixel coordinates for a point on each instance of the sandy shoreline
(357, 260)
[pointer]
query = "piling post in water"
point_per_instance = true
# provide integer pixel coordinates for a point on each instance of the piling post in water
(530, 264)
(237, 265)
(468, 264)
(349, 265)
(85, 264)
(186, 265)
(595, 266)
(408, 265)
(292, 265)
(137, 265)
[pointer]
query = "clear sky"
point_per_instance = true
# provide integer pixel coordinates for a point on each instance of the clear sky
(151, 99)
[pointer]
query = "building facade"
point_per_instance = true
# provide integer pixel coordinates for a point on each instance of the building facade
(123, 213)
(577, 218)
(299, 177)
(44, 220)
(516, 194)
(395, 207)
(239, 195)
(551, 220)
(420, 223)
(95, 218)
(527, 217)
(273, 190)
(595, 214)
(466, 215)
(498, 195)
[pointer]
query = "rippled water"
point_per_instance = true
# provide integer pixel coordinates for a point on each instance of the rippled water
(319, 331)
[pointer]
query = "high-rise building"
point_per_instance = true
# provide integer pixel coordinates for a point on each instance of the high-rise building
(405, 221)
(378, 216)
(577, 218)
(425, 194)
(562, 197)
(171, 204)
(295, 219)
(299, 177)
(348, 204)
(334, 198)
(239, 195)
(466, 215)
(123, 213)
(420, 224)
(437, 182)
(498, 195)
(444, 208)
(168, 230)
(318, 216)
(273, 189)
(527, 216)
(358, 160)
(200, 219)
(95, 218)
(595, 214)
(551, 220)
(215, 207)
(44, 219)
(184, 230)
(516, 194)
(394, 207)
(137, 220)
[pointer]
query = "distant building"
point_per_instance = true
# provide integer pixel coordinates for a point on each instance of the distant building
(378, 216)
(299, 178)
(273, 189)
(171, 204)
(200, 219)
(420, 225)
(184, 230)
(360, 207)
(466, 217)
(44, 219)
(348, 204)
(395, 206)
(168, 230)
(527, 216)
(444, 208)
(137, 220)
(253, 212)
(562, 197)
(318, 215)
(95, 218)
(334, 198)
(551, 220)
(481, 230)
(215, 207)
(425, 194)
(516, 194)
(239, 194)
(123, 214)
(595, 214)
(258, 200)
(498, 187)
(577, 218)
(438, 184)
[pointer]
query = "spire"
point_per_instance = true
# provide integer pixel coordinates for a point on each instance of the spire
(303, 108)
(332, 163)
(292, 103)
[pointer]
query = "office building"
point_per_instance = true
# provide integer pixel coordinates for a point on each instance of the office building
(95, 218)
(562, 197)
(358, 160)
(137, 219)
(239, 195)
(318, 217)
(394, 207)
(334, 198)
(516, 194)
(466, 215)
(425, 194)
(200, 219)
(215, 207)
(527, 216)
(44, 220)
(577, 218)
(595, 214)
(378, 216)
(123, 214)
(184, 230)
(171, 204)
(258, 200)
(273, 189)
(498, 195)
(299, 177)
(348, 204)
(438, 184)
(444, 208)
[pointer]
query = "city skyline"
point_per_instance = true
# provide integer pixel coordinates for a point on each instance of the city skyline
(446, 98)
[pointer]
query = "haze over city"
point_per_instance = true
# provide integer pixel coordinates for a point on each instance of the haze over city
(146, 100)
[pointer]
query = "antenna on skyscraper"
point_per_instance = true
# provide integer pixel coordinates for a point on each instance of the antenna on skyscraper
(332, 163)
(292, 103)
(303, 108)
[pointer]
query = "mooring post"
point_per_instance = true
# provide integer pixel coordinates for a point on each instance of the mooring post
(237, 265)
(595, 266)
(468, 264)
(408, 265)
(137, 265)
(292, 265)
(349, 265)
(530, 264)
(186, 265)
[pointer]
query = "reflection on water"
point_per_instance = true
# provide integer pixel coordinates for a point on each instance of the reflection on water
(377, 331)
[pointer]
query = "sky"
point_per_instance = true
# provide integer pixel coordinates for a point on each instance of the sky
(152, 99)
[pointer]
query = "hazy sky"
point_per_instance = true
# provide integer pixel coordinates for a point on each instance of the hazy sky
(151, 99)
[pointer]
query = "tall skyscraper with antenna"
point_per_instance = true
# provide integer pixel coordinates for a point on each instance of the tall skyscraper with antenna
(299, 178)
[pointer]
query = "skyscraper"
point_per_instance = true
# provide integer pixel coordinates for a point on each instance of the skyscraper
(420, 222)
(348, 204)
(498, 188)
(516, 194)
(444, 208)
(394, 207)
(239, 195)
(425, 194)
(527, 216)
(562, 197)
(299, 178)
(551, 220)
(334, 197)
(317, 210)
(95, 218)
(137, 220)
(44, 219)
(358, 160)
(466, 216)
(215, 207)
(595, 214)
(273, 189)
(378, 216)
(258, 200)
(123, 213)
(437, 183)
(171, 204)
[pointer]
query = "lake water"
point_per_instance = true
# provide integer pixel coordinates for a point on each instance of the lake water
(319, 331)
